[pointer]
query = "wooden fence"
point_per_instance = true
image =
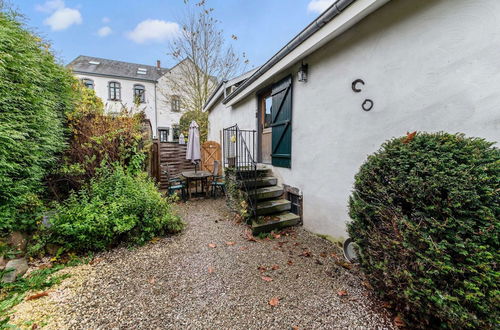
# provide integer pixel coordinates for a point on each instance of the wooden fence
(169, 154)
(172, 155)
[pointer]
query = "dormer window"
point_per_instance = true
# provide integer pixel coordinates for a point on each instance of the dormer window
(89, 83)
(139, 94)
(142, 71)
(114, 91)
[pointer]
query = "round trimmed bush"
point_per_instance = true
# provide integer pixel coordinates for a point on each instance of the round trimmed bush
(425, 212)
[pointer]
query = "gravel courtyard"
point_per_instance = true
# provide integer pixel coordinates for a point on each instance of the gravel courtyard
(213, 277)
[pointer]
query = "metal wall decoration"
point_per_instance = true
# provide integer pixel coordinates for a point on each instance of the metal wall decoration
(355, 84)
(356, 87)
(367, 105)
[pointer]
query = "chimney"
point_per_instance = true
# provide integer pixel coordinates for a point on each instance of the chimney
(158, 64)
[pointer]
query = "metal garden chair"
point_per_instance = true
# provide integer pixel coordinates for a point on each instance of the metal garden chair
(217, 184)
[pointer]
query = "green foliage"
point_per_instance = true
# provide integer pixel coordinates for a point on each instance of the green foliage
(117, 206)
(35, 93)
(12, 294)
(201, 119)
(236, 199)
(425, 213)
(96, 138)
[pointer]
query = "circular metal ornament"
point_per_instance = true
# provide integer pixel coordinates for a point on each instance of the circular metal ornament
(355, 84)
(350, 251)
(367, 105)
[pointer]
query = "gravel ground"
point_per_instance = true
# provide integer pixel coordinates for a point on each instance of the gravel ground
(183, 282)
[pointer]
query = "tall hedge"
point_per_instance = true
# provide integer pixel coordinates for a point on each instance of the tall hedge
(425, 213)
(34, 94)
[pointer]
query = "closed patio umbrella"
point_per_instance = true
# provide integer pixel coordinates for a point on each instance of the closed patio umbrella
(193, 148)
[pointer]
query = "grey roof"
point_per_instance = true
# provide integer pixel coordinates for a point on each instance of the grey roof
(111, 68)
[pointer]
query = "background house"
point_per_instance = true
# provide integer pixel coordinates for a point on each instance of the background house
(363, 72)
(136, 87)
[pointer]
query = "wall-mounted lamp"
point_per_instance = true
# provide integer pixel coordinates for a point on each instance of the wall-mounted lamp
(302, 75)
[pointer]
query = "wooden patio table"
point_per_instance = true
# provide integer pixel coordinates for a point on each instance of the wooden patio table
(192, 176)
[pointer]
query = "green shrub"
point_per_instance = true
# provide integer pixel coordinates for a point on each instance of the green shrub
(425, 213)
(117, 206)
(35, 92)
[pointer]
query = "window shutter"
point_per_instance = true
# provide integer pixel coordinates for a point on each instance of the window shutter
(282, 123)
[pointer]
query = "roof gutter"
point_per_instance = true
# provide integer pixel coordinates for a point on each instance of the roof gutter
(333, 11)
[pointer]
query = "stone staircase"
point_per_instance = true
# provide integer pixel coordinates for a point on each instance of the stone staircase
(273, 211)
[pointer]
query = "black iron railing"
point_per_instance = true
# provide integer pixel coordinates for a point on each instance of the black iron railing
(239, 148)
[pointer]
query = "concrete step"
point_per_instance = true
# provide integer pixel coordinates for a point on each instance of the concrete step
(261, 172)
(267, 192)
(266, 224)
(273, 206)
(266, 181)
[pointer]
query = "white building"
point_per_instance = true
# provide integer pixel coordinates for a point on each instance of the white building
(363, 72)
(135, 87)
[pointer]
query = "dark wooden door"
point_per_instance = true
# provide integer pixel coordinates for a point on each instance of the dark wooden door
(282, 123)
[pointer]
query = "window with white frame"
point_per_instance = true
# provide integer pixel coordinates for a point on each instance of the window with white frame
(114, 91)
(163, 134)
(139, 94)
(176, 103)
(89, 83)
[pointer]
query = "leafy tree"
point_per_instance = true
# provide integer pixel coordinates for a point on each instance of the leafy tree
(96, 139)
(201, 119)
(35, 94)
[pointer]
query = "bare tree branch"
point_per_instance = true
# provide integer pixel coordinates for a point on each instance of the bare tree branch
(204, 55)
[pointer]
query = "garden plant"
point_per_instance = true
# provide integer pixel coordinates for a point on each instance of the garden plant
(425, 212)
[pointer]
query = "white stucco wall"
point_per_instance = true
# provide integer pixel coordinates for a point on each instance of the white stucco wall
(222, 117)
(428, 66)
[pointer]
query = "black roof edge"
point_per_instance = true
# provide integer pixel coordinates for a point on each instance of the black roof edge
(334, 10)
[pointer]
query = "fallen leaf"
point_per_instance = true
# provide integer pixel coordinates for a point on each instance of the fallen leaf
(155, 240)
(152, 281)
(210, 270)
(305, 254)
(367, 285)
(262, 269)
(243, 248)
(274, 302)
(212, 245)
(323, 255)
(45, 266)
(95, 261)
(34, 326)
(290, 262)
(342, 293)
(275, 267)
(276, 235)
(398, 321)
(267, 278)
(344, 264)
(250, 237)
(38, 295)
(230, 243)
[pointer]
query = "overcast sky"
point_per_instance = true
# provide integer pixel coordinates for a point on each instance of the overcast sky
(138, 31)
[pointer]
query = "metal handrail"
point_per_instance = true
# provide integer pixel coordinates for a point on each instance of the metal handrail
(240, 155)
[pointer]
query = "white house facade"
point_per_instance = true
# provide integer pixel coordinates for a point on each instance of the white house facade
(363, 72)
(135, 87)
